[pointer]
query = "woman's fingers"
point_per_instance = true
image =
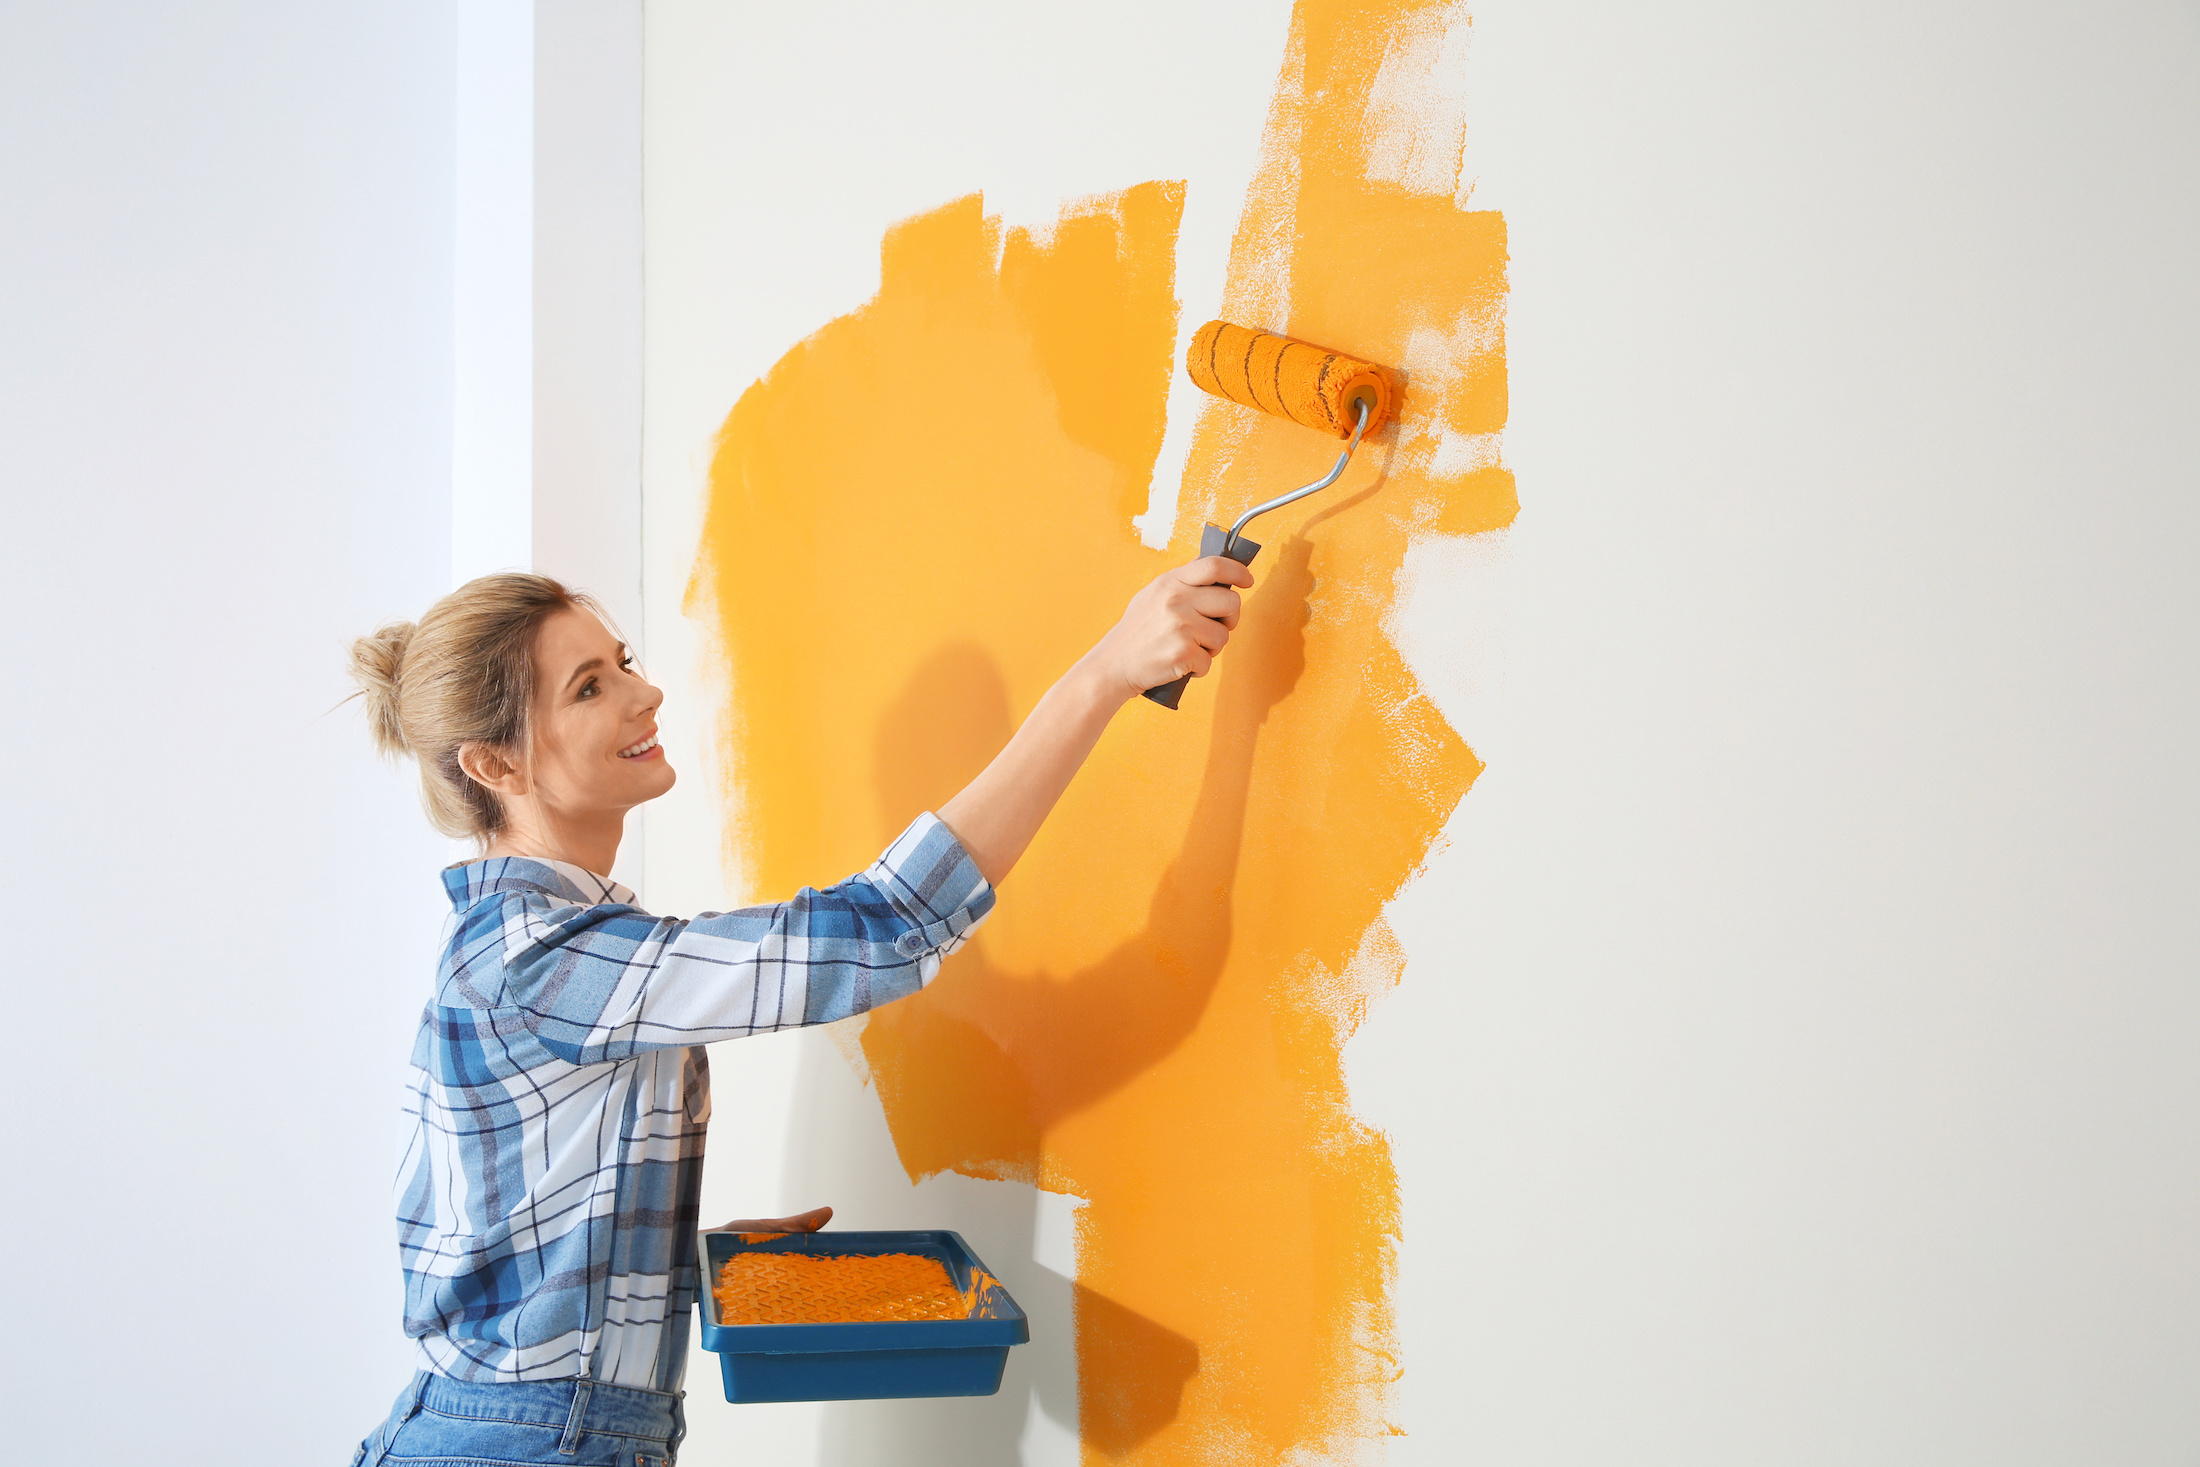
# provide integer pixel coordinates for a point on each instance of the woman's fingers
(1177, 623)
(1193, 661)
(1205, 633)
(801, 1222)
(1203, 604)
(1216, 603)
(1213, 570)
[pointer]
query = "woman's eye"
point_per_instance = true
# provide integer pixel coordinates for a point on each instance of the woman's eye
(588, 690)
(626, 664)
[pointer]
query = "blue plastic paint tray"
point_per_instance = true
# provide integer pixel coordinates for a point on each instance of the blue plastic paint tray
(864, 1362)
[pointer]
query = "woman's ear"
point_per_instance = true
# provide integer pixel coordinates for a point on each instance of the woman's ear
(489, 767)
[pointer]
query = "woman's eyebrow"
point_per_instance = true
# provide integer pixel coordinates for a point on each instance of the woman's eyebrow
(584, 667)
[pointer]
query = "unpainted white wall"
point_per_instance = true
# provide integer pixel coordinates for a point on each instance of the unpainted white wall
(1814, 968)
(547, 287)
(225, 448)
(547, 255)
(1792, 1065)
(587, 276)
(309, 312)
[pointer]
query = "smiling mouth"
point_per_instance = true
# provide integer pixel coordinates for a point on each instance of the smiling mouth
(636, 751)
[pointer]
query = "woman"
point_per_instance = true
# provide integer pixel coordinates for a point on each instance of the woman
(547, 1197)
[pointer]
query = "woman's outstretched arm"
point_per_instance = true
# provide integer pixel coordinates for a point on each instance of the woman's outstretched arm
(1174, 626)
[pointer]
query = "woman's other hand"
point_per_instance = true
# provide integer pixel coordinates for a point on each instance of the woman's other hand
(1174, 626)
(801, 1222)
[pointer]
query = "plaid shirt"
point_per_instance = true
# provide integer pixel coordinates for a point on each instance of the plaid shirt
(546, 1203)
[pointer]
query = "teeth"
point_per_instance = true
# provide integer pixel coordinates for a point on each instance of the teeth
(641, 748)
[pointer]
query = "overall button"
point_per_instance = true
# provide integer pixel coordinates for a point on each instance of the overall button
(909, 944)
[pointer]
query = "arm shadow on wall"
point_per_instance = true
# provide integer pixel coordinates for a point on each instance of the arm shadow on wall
(975, 1070)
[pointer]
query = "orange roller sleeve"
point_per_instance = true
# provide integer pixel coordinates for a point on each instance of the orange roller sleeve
(1308, 384)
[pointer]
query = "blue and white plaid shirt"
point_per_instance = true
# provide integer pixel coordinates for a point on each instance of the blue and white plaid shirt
(546, 1203)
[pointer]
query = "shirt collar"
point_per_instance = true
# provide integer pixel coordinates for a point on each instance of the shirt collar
(470, 882)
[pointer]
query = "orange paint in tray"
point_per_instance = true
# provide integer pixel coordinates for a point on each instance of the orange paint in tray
(802, 1288)
(855, 1316)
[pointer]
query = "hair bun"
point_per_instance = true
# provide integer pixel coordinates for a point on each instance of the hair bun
(376, 662)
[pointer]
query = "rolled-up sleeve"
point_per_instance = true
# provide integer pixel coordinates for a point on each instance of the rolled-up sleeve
(604, 982)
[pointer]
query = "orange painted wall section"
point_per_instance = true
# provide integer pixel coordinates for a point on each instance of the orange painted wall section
(921, 516)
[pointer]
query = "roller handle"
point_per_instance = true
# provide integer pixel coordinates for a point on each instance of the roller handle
(1211, 542)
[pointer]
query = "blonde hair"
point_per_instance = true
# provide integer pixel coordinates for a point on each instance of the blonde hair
(465, 674)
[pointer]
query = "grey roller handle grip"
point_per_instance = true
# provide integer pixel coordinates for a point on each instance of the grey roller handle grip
(1211, 542)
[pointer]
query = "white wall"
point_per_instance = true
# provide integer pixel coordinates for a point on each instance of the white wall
(1816, 958)
(225, 443)
(547, 258)
(1794, 1061)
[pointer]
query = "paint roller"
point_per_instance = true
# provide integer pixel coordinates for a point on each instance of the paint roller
(1311, 385)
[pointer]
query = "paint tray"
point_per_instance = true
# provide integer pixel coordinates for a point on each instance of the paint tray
(865, 1362)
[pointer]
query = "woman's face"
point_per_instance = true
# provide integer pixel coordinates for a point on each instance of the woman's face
(595, 722)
